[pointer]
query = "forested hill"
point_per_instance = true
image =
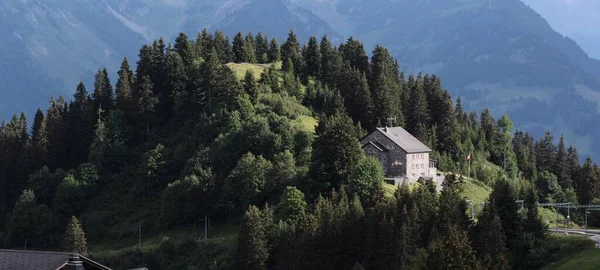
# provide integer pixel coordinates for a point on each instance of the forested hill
(189, 133)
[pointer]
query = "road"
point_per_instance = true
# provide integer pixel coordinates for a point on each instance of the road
(593, 234)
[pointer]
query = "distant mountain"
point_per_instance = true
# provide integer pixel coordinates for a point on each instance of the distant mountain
(577, 19)
(500, 54)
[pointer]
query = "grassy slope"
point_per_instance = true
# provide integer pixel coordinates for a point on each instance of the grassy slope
(573, 252)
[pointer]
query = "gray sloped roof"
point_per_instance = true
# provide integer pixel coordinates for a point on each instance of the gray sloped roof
(404, 140)
(41, 260)
(22, 259)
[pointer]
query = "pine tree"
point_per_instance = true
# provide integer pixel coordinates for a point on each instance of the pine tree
(74, 239)
(453, 251)
(354, 52)
(81, 118)
(252, 250)
(261, 45)
(250, 49)
(489, 240)
(99, 144)
(147, 101)
(331, 63)
(56, 125)
(503, 198)
(251, 86)
(419, 113)
(312, 57)
(222, 46)
(239, 48)
(184, 48)
(336, 152)
(291, 49)
(385, 89)
(103, 92)
(204, 43)
(274, 51)
(561, 166)
(354, 88)
(124, 100)
(546, 153)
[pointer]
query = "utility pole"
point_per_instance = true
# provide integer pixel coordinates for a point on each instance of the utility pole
(205, 226)
(140, 235)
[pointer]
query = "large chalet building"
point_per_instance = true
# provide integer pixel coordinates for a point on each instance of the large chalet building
(400, 153)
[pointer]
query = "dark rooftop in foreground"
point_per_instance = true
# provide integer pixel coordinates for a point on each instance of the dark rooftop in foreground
(42, 260)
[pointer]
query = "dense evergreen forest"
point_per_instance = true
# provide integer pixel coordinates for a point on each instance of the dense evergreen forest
(184, 137)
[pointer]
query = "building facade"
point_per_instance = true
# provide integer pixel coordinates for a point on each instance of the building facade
(400, 153)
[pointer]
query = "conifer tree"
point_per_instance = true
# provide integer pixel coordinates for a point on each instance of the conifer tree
(222, 46)
(250, 49)
(184, 48)
(385, 89)
(252, 251)
(354, 52)
(546, 153)
(103, 92)
(81, 118)
(336, 152)
(74, 239)
(561, 167)
(251, 86)
(453, 251)
(239, 48)
(125, 83)
(56, 124)
(261, 46)
(587, 182)
(331, 63)
(147, 101)
(418, 112)
(204, 43)
(354, 88)
(274, 51)
(99, 144)
(312, 57)
(291, 49)
(503, 198)
(489, 240)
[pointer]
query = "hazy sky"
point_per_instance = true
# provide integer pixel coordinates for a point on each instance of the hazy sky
(570, 16)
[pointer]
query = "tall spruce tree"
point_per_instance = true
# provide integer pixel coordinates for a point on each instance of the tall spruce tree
(385, 89)
(312, 57)
(418, 116)
(81, 118)
(253, 250)
(147, 101)
(250, 49)
(261, 46)
(291, 49)
(274, 51)
(74, 239)
(125, 83)
(239, 48)
(353, 50)
(336, 152)
(103, 92)
(354, 88)
(489, 240)
(561, 167)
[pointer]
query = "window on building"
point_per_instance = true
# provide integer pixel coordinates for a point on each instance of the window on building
(413, 156)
